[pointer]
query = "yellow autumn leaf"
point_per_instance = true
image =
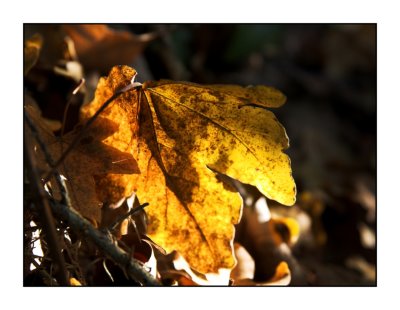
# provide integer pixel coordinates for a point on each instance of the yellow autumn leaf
(74, 282)
(182, 134)
(90, 158)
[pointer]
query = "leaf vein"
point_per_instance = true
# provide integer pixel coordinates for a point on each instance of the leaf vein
(228, 130)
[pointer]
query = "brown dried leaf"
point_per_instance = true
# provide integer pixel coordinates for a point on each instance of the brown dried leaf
(32, 49)
(281, 277)
(175, 269)
(267, 242)
(100, 47)
(55, 48)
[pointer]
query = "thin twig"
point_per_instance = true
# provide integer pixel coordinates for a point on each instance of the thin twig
(105, 243)
(36, 135)
(47, 155)
(107, 271)
(74, 263)
(43, 273)
(79, 137)
(124, 216)
(68, 104)
(45, 212)
(34, 262)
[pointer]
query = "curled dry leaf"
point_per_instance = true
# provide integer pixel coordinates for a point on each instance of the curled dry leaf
(281, 277)
(268, 243)
(109, 46)
(243, 273)
(91, 157)
(182, 135)
(168, 274)
(245, 266)
(143, 251)
(288, 229)
(175, 270)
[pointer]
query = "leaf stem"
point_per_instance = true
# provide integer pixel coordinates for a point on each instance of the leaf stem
(68, 104)
(124, 216)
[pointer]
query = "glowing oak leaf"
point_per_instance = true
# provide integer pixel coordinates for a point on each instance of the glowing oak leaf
(181, 134)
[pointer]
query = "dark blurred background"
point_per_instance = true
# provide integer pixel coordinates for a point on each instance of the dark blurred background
(328, 73)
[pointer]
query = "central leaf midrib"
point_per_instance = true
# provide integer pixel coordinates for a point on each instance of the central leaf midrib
(167, 176)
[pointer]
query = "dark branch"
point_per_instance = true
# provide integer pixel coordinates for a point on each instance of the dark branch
(105, 243)
(45, 214)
